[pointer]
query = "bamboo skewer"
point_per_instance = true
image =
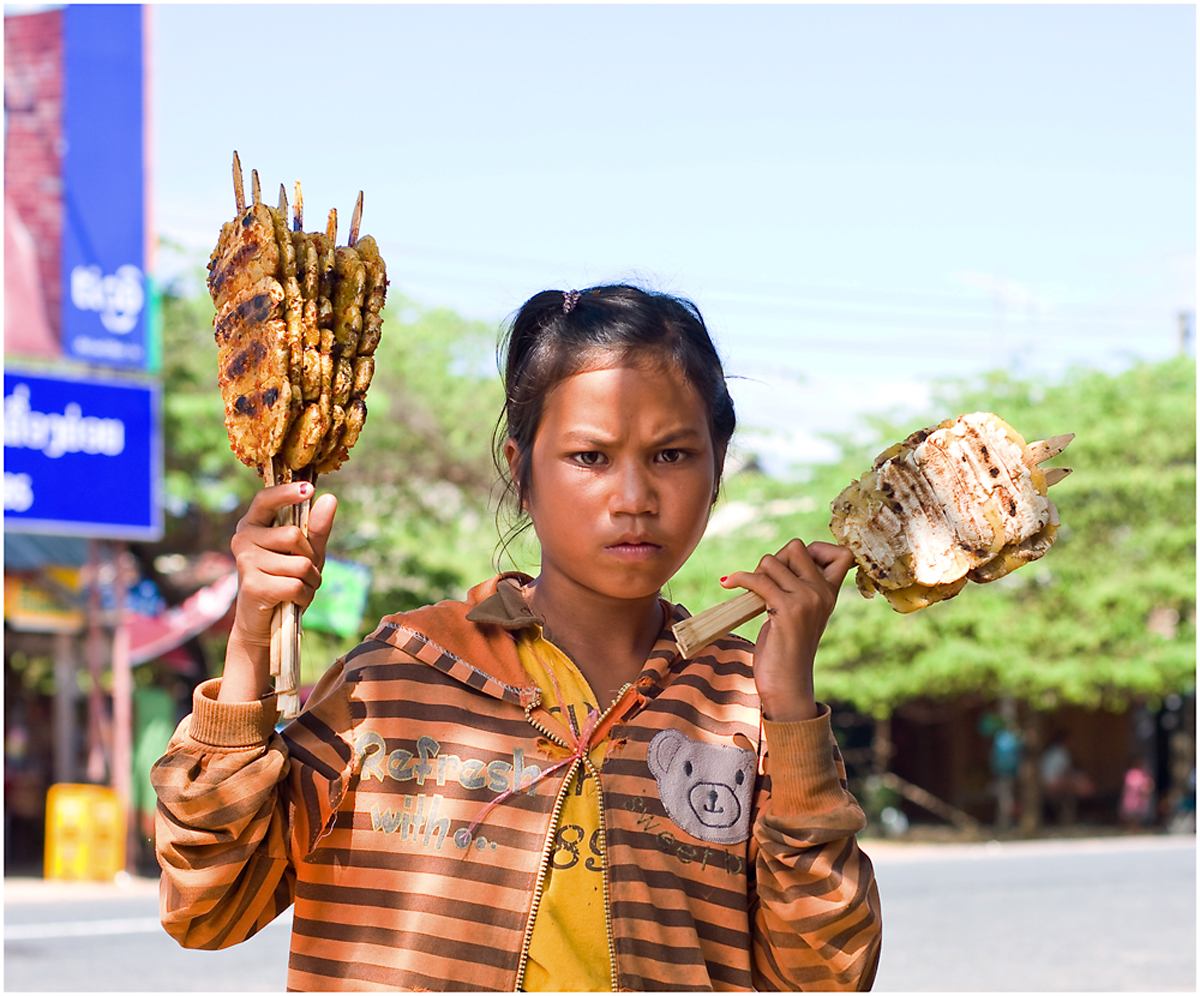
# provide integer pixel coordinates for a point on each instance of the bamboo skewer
(355, 220)
(239, 192)
(1047, 449)
(699, 630)
(285, 621)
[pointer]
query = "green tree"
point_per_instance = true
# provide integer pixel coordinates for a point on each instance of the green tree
(1107, 617)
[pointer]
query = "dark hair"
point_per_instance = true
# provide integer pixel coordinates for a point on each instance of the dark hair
(557, 334)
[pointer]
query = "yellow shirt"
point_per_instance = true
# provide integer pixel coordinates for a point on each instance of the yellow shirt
(568, 950)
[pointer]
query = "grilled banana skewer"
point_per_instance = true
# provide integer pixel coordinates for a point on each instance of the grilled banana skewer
(961, 501)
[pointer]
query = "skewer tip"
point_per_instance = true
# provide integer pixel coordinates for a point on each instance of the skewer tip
(356, 219)
(239, 192)
(1046, 449)
(298, 210)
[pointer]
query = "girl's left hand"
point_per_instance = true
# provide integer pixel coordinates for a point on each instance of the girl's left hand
(800, 585)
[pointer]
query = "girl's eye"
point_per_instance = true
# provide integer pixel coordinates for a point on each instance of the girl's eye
(590, 459)
(671, 456)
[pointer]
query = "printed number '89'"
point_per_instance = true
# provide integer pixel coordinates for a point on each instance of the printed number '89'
(566, 848)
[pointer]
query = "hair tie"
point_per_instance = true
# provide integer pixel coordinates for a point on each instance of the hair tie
(570, 299)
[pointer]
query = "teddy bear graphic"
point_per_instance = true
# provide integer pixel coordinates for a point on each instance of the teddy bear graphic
(705, 788)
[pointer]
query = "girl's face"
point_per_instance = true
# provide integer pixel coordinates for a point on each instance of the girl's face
(623, 473)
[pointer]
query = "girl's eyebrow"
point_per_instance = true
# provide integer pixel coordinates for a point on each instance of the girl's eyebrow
(587, 437)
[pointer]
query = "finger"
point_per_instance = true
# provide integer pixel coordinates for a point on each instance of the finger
(248, 539)
(834, 561)
(817, 561)
(271, 578)
(795, 565)
(763, 585)
(269, 501)
(320, 525)
(789, 569)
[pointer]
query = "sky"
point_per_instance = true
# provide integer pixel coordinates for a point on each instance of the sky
(859, 198)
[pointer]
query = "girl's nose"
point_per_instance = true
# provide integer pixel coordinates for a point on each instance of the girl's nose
(633, 492)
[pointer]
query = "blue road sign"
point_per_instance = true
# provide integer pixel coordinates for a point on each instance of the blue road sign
(105, 293)
(82, 456)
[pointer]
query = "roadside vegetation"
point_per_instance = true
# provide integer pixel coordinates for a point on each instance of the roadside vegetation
(1107, 617)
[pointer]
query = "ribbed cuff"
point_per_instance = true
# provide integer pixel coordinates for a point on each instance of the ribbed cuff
(804, 775)
(231, 724)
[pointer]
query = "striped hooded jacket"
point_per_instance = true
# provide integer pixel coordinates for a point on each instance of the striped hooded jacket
(408, 813)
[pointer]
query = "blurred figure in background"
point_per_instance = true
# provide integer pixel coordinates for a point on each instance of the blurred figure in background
(1004, 759)
(1183, 817)
(1137, 796)
(1063, 785)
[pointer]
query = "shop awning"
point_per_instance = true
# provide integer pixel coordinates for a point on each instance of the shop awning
(154, 636)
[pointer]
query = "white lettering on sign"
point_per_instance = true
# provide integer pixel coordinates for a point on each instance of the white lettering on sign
(118, 297)
(55, 434)
(110, 350)
(18, 492)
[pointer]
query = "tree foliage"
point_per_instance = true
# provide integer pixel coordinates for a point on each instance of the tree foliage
(1107, 615)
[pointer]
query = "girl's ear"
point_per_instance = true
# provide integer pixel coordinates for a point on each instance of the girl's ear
(720, 468)
(512, 455)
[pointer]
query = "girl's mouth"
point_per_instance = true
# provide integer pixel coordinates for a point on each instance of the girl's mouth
(634, 549)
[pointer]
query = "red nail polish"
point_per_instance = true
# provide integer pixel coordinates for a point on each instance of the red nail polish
(305, 489)
(724, 579)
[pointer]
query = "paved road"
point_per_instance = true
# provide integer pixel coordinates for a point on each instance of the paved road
(1115, 915)
(65, 937)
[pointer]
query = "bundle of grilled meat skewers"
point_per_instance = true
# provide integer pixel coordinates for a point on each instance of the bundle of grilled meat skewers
(298, 319)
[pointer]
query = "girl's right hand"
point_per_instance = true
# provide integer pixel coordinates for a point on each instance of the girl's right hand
(276, 564)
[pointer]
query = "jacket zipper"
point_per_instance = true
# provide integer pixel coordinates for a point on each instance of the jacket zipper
(608, 922)
(547, 847)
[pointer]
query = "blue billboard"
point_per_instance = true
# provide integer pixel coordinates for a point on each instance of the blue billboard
(82, 456)
(103, 260)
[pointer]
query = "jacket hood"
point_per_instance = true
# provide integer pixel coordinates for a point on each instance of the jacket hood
(475, 639)
(467, 640)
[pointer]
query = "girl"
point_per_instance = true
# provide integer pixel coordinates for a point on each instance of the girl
(532, 789)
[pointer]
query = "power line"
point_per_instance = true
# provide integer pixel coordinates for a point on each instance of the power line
(784, 302)
(929, 320)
